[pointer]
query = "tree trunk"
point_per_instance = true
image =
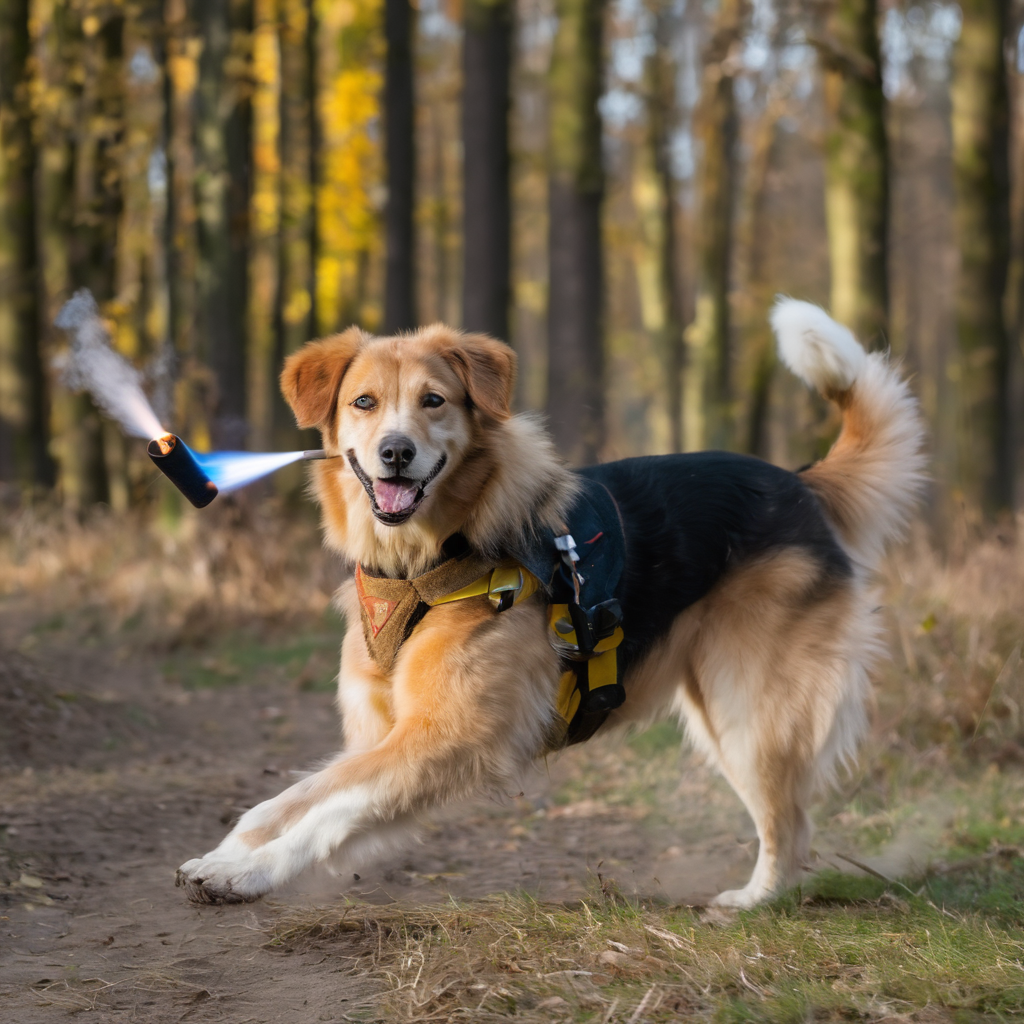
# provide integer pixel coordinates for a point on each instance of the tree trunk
(857, 171)
(23, 412)
(717, 124)
(981, 177)
(400, 158)
(660, 113)
(265, 219)
(1016, 371)
(182, 75)
(350, 48)
(99, 202)
(295, 315)
(759, 342)
(222, 188)
(65, 236)
(575, 192)
(137, 248)
(487, 230)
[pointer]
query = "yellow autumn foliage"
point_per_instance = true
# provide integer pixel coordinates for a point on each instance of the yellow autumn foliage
(351, 166)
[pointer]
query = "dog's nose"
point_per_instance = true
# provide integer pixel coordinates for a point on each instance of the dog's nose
(397, 451)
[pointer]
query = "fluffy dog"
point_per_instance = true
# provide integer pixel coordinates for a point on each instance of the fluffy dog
(745, 596)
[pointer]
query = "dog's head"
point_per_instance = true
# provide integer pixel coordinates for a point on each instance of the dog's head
(405, 412)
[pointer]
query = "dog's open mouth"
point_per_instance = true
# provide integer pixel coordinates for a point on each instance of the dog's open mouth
(394, 499)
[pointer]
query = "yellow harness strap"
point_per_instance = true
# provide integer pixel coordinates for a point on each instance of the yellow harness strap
(504, 580)
(602, 668)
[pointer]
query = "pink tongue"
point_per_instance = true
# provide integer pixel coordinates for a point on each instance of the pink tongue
(394, 496)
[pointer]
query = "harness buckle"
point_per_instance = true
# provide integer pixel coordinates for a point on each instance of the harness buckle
(594, 624)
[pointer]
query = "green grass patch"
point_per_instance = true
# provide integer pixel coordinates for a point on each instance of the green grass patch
(839, 948)
(307, 660)
(664, 737)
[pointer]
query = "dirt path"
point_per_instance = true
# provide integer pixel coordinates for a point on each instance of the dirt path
(111, 776)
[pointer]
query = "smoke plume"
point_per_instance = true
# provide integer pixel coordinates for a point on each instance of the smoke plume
(92, 365)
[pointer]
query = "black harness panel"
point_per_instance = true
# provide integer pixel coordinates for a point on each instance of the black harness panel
(689, 518)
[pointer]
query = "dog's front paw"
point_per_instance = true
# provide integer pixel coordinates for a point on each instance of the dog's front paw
(209, 880)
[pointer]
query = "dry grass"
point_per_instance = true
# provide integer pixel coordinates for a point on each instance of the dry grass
(843, 949)
(172, 578)
(956, 678)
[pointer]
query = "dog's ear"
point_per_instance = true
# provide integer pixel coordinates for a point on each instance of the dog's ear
(487, 369)
(312, 376)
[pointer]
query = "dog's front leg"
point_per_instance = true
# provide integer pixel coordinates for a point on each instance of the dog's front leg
(473, 708)
(278, 839)
(318, 819)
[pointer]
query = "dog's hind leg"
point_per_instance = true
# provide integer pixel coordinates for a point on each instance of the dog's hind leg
(775, 787)
(773, 696)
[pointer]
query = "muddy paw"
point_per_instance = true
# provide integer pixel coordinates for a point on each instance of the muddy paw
(209, 888)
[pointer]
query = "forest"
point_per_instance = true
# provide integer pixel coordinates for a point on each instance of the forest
(618, 190)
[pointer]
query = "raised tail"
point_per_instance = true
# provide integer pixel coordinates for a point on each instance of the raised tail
(871, 480)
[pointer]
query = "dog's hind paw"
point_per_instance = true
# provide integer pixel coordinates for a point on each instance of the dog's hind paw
(740, 899)
(209, 884)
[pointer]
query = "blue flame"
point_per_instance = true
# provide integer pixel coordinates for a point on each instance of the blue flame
(231, 470)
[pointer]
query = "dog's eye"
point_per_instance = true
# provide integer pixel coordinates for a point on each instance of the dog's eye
(432, 401)
(365, 402)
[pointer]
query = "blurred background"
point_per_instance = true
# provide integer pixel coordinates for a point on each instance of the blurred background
(618, 189)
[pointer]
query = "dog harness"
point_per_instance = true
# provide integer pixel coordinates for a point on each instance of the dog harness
(580, 579)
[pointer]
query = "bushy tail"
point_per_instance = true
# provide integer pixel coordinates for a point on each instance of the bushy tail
(872, 479)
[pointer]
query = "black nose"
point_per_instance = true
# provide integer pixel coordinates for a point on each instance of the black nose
(397, 451)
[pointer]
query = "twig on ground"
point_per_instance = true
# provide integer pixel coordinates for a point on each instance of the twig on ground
(873, 871)
(643, 1004)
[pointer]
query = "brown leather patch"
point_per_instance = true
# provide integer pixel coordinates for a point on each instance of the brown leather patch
(388, 605)
(377, 610)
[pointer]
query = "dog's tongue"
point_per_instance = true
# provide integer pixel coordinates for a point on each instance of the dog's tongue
(394, 495)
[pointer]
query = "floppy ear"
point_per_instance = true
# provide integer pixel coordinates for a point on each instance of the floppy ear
(312, 376)
(487, 369)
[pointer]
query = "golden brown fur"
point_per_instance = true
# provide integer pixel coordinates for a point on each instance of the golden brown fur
(768, 671)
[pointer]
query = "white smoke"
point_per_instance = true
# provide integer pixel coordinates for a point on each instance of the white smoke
(92, 365)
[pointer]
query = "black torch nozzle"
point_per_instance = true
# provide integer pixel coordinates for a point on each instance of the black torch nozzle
(175, 460)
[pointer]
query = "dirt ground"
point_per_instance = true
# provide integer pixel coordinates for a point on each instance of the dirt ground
(112, 773)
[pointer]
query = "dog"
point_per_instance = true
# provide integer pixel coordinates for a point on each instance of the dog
(745, 598)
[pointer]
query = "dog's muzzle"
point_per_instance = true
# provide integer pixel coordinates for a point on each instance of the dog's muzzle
(394, 489)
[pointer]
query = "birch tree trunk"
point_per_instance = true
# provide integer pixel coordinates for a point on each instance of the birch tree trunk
(857, 171)
(487, 226)
(575, 192)
(980, 372)
(23, 428)
(400, 160)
